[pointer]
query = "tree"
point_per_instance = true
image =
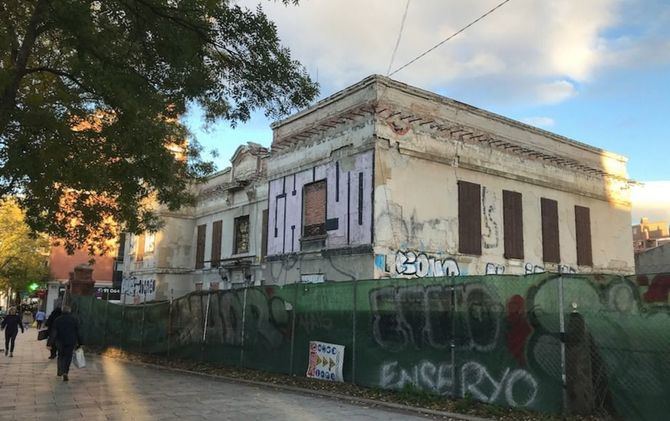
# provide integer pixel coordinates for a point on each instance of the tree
(23, 256)
(90, 98)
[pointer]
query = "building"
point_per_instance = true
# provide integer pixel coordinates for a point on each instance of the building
(385, 180)
(216, 244)
(647, 235)
(61, 264)
(654, 260)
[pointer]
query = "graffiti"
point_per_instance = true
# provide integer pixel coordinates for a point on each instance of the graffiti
(518, 328)
(137, 291)
(421, 266)
(490, 236)
(495, 269)
(426, 375)
(530, 268)
(659, 289)
(266, 319)
(476, 381)
(513, 387)
(566, 269)
(422, 317)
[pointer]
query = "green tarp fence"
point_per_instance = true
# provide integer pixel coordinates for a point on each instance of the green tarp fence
(590, 344)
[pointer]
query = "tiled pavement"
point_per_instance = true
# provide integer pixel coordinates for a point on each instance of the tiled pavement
(111, 389)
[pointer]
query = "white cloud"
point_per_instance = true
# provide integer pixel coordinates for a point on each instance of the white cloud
(651, 199)
(539, 121)
(527, 51)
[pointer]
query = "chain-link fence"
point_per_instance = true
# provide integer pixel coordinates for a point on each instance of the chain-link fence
(577, 344)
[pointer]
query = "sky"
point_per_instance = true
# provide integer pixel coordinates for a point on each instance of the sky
(597, 71)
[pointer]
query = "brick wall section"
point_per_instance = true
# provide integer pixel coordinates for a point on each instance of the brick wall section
(315, 208)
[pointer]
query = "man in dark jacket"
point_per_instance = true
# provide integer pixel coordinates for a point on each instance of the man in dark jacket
(66, 332)
(11, 324)
(50, 325)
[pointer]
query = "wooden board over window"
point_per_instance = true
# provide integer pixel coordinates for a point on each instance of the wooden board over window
(139, 254)
(314, 209)
(241, 240)
(550, 243)
(200, 247)
(217, 230)
(264, 234)
(583, 229)
(469, 218)
(513, 224)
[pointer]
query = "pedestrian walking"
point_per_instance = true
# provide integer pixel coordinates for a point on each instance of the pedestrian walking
(11, 324)
(51, 344)
(66, 333)
(39, 318)
(27, 319)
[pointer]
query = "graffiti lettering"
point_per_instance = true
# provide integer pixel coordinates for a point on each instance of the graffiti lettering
(421, 266)
(529, 269)
(494, 269)
(514, 387)
(490, 236)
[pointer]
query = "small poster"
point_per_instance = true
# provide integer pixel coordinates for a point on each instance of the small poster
(325, 361)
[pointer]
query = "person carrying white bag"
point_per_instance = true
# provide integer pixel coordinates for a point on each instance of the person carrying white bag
(66, 329)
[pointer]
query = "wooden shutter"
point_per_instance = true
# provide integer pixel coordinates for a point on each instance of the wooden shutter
(200, 247)
(583, 229)
(550, 244)
(217, 228)
(314, 209)
(469, 218)
(264, 234)
(139, 255)
(513, 224)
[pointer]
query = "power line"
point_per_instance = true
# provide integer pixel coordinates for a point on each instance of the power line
(397, 42)
(448, 38)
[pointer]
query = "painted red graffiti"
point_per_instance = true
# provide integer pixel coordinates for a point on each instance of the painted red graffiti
(519, 328)
(659, 288)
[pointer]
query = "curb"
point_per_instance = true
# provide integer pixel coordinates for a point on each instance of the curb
(305, 391)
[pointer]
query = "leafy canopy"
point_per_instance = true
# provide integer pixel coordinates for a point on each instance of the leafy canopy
(90, 98)
(23, 256)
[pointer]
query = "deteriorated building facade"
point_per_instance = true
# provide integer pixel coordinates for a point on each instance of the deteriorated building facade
(386, 180)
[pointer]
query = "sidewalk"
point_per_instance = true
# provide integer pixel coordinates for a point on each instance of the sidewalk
(109, 389)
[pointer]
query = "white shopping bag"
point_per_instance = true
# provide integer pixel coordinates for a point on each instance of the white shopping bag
(78, 358)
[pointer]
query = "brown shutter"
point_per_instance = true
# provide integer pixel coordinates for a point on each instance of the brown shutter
(314, 209)
(264, 234)
(513, 224)
(550, 244)
(139, 256)
(217, 228)
(200, 247)
(583, 228)
(469, 218)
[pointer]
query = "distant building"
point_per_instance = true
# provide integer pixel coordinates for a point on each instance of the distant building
(654, 260)
(647, 235)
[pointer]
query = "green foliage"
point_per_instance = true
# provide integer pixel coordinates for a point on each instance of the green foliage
(23, 256)
(91, 93)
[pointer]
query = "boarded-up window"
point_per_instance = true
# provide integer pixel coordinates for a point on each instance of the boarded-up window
(200, 247)
(139, 254)
(217, 228)
(241, 240)
(314, 209)
(469, 218)
(513, 224)
(264, 234)
(583, 228)
(550, 244)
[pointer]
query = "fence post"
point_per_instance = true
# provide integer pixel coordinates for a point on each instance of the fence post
(144, 308)
(353, 328)
(169, 327)
(204, 327)
(294, 314)
(561, 319)
(104, 326)
(123, 322)
(454, 314)
(244, 317)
